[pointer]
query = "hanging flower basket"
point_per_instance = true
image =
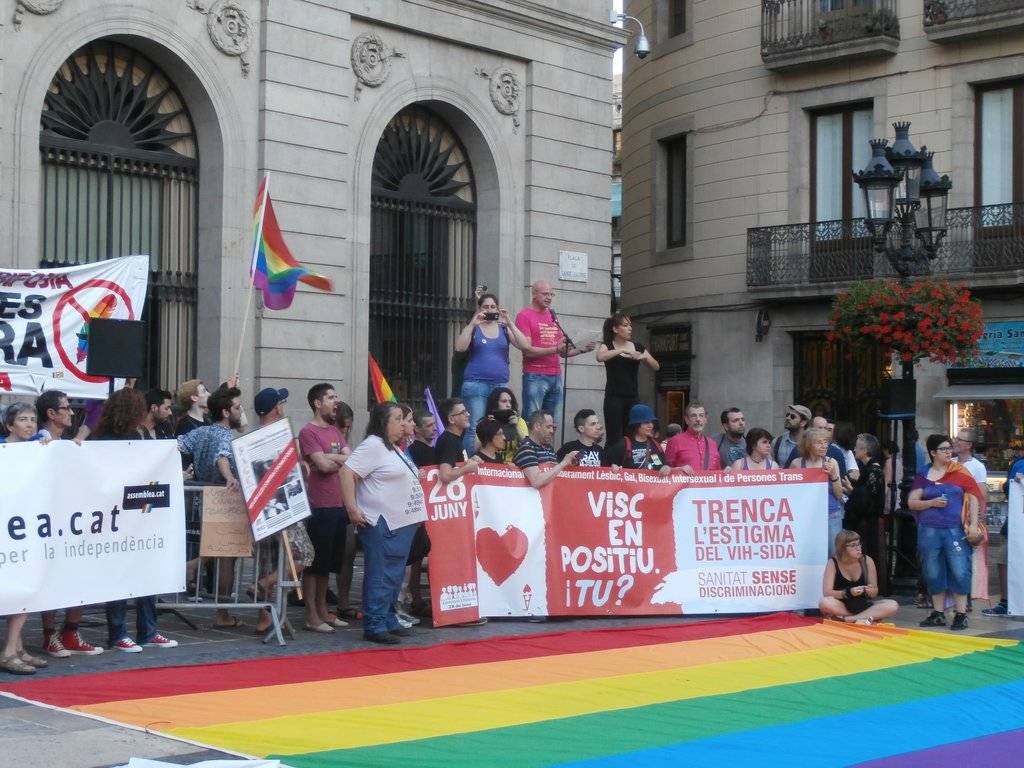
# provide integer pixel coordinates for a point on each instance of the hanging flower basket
(926, 318)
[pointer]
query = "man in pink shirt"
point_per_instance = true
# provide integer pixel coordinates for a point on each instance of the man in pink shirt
(542, 371)
(691, 450)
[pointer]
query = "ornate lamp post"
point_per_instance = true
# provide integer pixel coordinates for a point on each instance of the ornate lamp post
(901, 187)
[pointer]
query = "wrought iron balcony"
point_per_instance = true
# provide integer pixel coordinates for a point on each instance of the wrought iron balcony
(797, 33)
(954, 20)
(988, 239)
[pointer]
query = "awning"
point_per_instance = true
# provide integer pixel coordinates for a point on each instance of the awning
(964, 392)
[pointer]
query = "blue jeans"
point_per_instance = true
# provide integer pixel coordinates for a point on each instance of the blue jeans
(945, 559)
(540, 391)
(145, 619)
(384, 555)
(835, 525)
(474, 395)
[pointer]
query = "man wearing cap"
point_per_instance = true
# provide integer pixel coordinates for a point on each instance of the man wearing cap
(691, 450)
(637, 448)
(269, 405)
(796, 420)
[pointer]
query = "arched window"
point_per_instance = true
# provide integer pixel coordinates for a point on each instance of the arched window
(120, 177)
(422, 252)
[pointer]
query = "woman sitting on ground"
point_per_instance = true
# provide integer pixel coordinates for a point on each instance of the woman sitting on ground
(759, 451)
(850, 585)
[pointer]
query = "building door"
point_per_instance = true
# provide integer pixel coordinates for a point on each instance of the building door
(840, 382)
(120, 177)
(422, 252)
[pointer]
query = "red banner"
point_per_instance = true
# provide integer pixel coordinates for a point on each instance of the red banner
(598, 541)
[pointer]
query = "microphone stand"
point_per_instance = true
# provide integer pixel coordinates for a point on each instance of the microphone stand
(569, 344)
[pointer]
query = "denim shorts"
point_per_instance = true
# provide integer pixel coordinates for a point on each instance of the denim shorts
(945, 559)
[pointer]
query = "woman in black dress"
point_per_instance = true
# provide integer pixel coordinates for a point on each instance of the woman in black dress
(621, 357)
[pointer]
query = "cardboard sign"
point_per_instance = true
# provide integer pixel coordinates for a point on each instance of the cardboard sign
(225, 530)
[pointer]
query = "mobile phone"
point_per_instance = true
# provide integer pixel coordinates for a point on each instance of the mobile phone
(491, 315)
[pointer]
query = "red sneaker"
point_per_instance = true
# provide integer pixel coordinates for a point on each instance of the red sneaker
(73, 642)
(159, 641)
(128, 645)
(53, 646)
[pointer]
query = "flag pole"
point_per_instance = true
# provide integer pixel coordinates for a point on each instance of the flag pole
(252, 271)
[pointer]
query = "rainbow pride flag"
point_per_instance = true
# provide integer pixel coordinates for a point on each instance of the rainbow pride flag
(381, 388)
(274, 270)
(768, 691)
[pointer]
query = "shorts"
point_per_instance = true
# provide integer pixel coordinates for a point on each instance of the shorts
(420, 545)
(326, 528)
(945, 559)
(997, 549)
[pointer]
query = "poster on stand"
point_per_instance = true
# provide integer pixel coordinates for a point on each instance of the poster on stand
(625, 542)
(267, 460)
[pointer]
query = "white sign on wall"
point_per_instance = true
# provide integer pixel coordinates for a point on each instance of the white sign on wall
(572, 266)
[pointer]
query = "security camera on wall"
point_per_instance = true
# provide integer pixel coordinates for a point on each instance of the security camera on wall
(643, 47)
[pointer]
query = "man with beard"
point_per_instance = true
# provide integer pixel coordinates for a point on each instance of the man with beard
(324, 449)
(213, 462)
(731, 445)
(156, 424)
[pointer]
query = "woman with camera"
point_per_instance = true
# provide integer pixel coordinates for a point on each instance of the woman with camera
(486, 338)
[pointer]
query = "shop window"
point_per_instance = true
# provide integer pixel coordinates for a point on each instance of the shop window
(673, 349)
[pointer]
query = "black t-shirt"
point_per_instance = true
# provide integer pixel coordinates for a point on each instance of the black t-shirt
(588, 456)
(645, 455)
(186, 424)
(423, 455)
(621, 374)
(450, 449)
(487, 459)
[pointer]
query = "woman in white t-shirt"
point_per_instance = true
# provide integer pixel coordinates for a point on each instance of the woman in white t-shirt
(381, 490)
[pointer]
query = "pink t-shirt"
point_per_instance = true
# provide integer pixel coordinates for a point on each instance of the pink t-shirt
(542, 331)
(691, 448)
(323, 488)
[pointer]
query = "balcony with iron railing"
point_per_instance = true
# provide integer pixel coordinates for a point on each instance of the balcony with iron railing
(812, 258)
(799, 33)
(955, 20)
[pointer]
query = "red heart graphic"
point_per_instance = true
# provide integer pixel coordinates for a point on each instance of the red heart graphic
(500, 556)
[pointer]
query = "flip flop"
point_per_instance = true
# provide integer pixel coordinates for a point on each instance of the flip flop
(349, 613)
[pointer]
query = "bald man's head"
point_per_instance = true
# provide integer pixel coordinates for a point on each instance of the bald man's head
(543, 294)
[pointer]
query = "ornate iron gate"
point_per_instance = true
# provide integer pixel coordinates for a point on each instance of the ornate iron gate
(120, 177)
(422, 252)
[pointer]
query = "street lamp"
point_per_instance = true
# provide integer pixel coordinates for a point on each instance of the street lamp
(900, 186)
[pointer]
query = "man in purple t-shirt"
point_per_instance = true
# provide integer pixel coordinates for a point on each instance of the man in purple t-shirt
(324, 448)
(542, 380)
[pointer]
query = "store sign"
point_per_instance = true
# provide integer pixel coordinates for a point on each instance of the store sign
(1001, 346)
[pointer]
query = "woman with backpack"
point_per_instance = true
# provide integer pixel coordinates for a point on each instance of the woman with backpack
(639, 447)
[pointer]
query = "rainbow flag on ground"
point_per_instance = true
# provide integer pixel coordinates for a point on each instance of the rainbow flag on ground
(381, 388)
(274, 270)
(769, 691)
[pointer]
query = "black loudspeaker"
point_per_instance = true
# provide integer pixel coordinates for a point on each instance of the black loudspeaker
(116, 348)
(900, 396)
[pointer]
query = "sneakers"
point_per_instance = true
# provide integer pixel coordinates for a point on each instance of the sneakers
(159, 641)
(383, 638)
(935, 619)
(401, 632)
(73, 642)
(405, 619)
(1001, 609)
(54, 647)
(127, 645)
(959, 621)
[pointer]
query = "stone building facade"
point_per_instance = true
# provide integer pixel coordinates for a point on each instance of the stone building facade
(741, 219)
(415, 150)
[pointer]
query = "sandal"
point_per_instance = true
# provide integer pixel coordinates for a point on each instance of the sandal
(349, 613)
(16, 666)
(33, 661)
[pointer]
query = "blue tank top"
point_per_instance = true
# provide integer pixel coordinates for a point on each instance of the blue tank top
(488, 358)
(835, 507)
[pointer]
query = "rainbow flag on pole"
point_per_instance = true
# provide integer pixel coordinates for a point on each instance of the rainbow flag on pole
(771, 692)
(381, 388)
(274, 270)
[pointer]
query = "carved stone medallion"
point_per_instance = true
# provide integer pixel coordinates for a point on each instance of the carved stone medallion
(371, 59)
(505, 91)
(229, 27)
(38, 7)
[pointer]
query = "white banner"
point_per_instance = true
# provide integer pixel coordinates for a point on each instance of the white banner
(44, 322)
(90, 523)
(1015, 548)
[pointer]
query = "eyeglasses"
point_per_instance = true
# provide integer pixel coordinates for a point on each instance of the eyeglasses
(792, 416)
(854, 544)
(944, 448)
(458, 413)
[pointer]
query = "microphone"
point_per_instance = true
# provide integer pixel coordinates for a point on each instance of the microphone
(554, 315)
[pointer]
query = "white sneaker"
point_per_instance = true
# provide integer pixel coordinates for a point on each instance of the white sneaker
(405, 619)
